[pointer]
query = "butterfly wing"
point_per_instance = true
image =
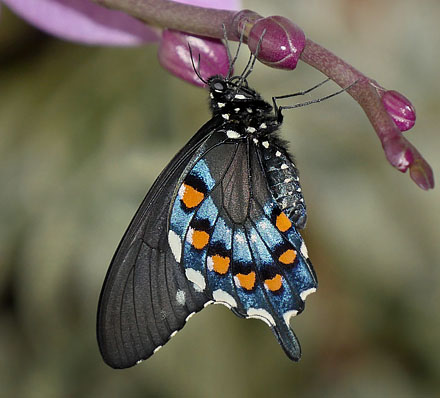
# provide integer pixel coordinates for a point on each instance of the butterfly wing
(235, 244)
(146, 297)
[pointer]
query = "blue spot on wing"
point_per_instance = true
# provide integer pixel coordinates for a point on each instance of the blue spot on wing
(300, 276)
(180, 215)
(286, 299)
(206, 215)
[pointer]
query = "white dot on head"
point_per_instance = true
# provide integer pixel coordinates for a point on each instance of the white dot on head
(265, 144)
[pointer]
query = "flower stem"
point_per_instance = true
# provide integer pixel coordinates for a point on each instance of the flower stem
(209, 22)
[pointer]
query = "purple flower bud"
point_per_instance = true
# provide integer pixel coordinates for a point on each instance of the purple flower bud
(281, 45)
(174, 55)
(422, 174)
(400, 109)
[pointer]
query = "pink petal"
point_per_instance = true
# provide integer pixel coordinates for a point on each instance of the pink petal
(86, 22)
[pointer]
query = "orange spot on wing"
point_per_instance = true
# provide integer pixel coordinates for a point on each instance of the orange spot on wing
(220, 264)
(288, 257)
(191, 197)
(275, 283)
(283, 223)
(247, 281)
(200, 239)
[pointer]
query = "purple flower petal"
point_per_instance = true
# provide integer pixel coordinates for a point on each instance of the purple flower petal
(86, 22)
(174, 55)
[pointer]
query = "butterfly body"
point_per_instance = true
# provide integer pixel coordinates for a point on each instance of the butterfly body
(220, 225)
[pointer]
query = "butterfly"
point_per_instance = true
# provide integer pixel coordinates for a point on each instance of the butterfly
(219, 225)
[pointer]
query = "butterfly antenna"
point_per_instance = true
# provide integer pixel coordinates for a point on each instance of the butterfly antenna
(278, 110)
(257, 50)
(251, 62)
(232, 60)
(196, 70)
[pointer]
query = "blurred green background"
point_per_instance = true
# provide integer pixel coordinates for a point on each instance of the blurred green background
(84, 131)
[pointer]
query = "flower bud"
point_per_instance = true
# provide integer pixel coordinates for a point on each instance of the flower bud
(174, 55)
(282, 42)
(400, 109)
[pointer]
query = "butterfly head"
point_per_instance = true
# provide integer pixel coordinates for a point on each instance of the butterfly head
(233, 93)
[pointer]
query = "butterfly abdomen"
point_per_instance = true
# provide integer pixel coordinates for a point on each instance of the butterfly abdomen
(283, 180)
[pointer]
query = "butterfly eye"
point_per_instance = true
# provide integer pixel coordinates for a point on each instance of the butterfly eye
(218, 86)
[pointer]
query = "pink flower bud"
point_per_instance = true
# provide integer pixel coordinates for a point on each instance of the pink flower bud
(400, 109)
(281, 45)
(174, 55)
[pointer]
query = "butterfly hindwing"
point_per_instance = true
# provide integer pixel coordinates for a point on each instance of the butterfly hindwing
(233, 241)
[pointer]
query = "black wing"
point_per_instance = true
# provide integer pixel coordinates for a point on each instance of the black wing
(140, 306)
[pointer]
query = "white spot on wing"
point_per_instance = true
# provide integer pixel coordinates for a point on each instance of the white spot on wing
(180, 297)
(251, 129)
(175, 245)
(157, 349)
(225, 116)
(283, 48)
(182, 190)
(255, 140)
(239, 96)
(263, 125)
(303, 250)
(221, 104)
(138, 362)
(224, 298)
(173, 334)
(197, 278)
(289, 314)
(210, 263)
(232, 134)
(284, 166)
(189, 316)
(277, 153)
(262, 314)
(207, 303)
(305, 293)
(265, 144)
